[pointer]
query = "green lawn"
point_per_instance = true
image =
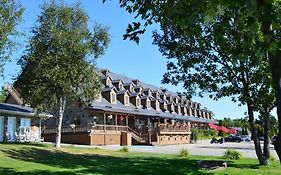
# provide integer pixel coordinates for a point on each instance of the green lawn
(43, 159)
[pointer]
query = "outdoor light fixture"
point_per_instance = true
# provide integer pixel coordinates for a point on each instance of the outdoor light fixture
(110, 117)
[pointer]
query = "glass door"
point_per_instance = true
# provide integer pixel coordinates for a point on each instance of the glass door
(1, 128)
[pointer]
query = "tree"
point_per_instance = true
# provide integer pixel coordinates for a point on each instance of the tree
(3, 95)
(59, 64)
(10, 16)
(220, 48)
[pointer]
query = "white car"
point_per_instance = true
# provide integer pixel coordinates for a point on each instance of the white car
(245, 138)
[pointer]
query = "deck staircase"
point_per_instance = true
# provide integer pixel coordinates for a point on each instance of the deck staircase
(137, 136)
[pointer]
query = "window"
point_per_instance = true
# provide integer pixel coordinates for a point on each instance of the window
(131, 88)
(148, 104)
(126, 100)
(120, 86)
(113, 97)
(108, 82)
(157, 105)
(138, 102)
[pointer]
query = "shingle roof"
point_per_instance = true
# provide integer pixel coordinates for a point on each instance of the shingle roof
(18, 108)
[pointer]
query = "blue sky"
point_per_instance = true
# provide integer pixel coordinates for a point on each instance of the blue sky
(142, 61)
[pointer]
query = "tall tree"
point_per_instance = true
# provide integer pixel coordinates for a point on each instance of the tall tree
(219, 47)
(10, 16)
(59, 64)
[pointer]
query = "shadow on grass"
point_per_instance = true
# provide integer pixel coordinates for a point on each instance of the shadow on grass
(243, 165)
(74, 164)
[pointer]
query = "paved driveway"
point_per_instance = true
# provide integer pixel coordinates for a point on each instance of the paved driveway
(246, 148)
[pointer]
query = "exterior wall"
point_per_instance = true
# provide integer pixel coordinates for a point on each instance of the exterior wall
(73, 138)
(172, 139)
(99, 138)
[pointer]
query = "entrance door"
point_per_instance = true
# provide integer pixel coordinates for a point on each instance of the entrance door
(25, 122)
(12, 127)
(1, 128)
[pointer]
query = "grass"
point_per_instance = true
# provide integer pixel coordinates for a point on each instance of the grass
(42, 159)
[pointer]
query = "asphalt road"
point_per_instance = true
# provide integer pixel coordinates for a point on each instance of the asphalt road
(205, 148)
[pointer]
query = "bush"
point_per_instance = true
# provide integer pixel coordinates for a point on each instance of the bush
(232, 154)
(124, 149)
(97, 148)
(271, 157)
(184, 153)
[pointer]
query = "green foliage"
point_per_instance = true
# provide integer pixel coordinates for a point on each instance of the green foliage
(271, 157)
(184, 153)
(3, 95)
(202, 134)
(232, 154)
(10, 15)
(124, 149)
(60, 59)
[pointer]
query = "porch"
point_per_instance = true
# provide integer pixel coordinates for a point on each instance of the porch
(19, 124)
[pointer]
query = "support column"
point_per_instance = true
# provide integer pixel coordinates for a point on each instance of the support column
(104, 127)
(40, 126)
(116, 129)
(149, 130)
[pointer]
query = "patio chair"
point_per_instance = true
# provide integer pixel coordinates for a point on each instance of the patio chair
(8, 137)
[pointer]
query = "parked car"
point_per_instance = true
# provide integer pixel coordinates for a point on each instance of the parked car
(233, 138)
(215, 140)
(245, 138)
(273, 139)
(261, 138)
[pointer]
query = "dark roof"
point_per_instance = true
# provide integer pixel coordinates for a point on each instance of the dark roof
(17, 108)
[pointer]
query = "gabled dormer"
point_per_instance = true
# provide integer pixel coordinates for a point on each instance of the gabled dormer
(156, 94)
(155, 104)
(184, 110)
(123, 97)
(135, 100)
(147, 92)
(119, 84)
(145, 102)
(171, 107)
(136, 82)
(178, 109)
(163, 96)
(106, 81)
(163, 105)
(109, 93)
(138, 89)
(98, 97)
(176, 99)
(129, 86)
(169, 98)
(106, 72)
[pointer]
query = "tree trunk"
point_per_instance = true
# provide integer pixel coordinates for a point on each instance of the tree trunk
(275, 65)
(274, 57)
(59, 124)
(266, 150)
(254, 133)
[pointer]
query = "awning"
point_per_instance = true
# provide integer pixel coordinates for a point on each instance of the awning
(222, 128)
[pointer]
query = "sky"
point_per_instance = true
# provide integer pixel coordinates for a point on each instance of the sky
(142, 61)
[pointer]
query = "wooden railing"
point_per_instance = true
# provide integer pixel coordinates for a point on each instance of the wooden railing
(174, 128)
(80, 129)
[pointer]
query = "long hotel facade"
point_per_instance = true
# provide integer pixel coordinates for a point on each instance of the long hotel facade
(127, 112)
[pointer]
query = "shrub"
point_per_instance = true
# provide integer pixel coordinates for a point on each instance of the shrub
(184, 153)
(97, 148)
(232, 154)
(124, 149)
(271, 157)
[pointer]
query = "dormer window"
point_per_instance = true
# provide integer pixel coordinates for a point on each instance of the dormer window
(138, 102)
(157, 106)
(113, 97)
(148, 104)
(98, 97)
(126, 100)
(120, 86)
